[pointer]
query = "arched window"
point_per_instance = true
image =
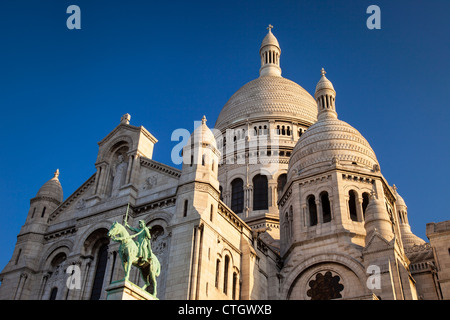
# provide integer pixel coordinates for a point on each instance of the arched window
(326, 208)
(102, 258)
(352, 205)
(225, 274)
(312, 210)
(365, 203)
(260, 192)
(237, 195)
(281, 182)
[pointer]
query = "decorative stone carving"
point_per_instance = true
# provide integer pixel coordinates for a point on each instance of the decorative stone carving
(325, 287)
(150, 182)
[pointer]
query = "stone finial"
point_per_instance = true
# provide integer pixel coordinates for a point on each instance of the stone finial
(395, 188)
(270, 27)
(323, 72)
(56, 174)
(204, 120)
(125, 118)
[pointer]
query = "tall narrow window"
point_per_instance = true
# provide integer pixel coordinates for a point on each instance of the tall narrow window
(260, 192)
(233, 294)
(326, 208)
(53, 293)
(352, 205)
(225, 274)
(237, 195)
(97, 287)
(211, 213)
(365, 203)
(221, 193)
(43, 212)
(217, 272)
(18, 256)
(34, 211)
(185, 208)
(312, 210)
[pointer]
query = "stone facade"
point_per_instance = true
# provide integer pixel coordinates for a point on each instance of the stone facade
(281, 200)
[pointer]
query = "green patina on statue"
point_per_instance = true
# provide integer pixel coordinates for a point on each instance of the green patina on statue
(137, 253)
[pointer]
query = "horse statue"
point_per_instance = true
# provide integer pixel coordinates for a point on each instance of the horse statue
(133, 253)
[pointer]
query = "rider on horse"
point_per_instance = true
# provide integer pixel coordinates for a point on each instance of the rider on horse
(143, 241)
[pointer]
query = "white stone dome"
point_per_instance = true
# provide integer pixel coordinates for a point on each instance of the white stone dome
(52, 189)
(331, 140)
(202, 134)
(268, 97)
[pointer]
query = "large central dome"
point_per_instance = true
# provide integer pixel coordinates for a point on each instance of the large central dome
(270, 96)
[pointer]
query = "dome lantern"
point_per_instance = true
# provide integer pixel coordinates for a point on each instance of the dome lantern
(325, 96)
(270, 55)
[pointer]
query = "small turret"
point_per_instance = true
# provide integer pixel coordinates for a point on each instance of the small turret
(47, 199)
(201, 157)
(377, 219)
(409, 239)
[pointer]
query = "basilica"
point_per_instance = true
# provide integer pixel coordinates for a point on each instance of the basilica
(279, 200)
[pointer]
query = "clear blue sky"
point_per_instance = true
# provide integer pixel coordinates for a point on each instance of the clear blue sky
(168, 63)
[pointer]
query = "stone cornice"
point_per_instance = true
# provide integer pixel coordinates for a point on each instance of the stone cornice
(45, 198)
(152, 164)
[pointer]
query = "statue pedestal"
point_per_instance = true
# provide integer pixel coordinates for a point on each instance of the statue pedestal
(125, 290)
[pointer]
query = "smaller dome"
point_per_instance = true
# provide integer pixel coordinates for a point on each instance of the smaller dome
(202, 134)
(328, 141)
(270, 39)
(52, 188)
(409, 239)
(400, 201)
(323, 83)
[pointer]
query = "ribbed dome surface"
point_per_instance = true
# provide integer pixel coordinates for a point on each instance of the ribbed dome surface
(268, 96)
(331, 140)
(52, 189)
